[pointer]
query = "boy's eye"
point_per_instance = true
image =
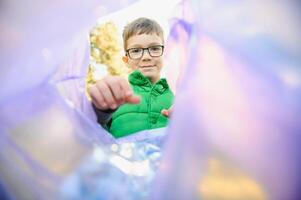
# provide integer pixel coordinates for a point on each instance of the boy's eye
(138, 50)
(155, 48)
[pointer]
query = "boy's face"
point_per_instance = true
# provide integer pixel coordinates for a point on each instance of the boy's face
(149, 66)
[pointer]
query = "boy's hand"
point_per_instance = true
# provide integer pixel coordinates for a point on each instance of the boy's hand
(111, 92)
(167, 112)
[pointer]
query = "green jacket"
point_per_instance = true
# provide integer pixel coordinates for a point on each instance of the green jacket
(131, 118)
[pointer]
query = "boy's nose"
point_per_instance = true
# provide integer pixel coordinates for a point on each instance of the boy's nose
(146, 54)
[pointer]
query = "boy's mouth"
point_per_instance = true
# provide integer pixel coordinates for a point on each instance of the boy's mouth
(146, 66)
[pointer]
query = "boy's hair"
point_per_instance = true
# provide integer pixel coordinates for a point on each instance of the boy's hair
(141, 26)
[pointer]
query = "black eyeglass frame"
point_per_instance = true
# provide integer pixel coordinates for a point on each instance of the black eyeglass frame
(143, 49)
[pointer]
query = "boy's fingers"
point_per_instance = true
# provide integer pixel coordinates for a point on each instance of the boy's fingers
(107, 94)
(116, 89)
(97, 98)
(128, 93)
(132, 99)
(111, 92)
(165, 112)
(125, 86)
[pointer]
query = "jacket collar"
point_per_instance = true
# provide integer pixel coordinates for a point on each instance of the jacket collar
(137, 78)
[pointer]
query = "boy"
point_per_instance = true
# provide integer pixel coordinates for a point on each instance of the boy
(141, 103)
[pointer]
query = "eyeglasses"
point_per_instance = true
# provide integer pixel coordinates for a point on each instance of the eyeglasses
(153, 51)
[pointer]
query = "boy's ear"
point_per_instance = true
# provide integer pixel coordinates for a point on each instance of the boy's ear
(125, 59)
